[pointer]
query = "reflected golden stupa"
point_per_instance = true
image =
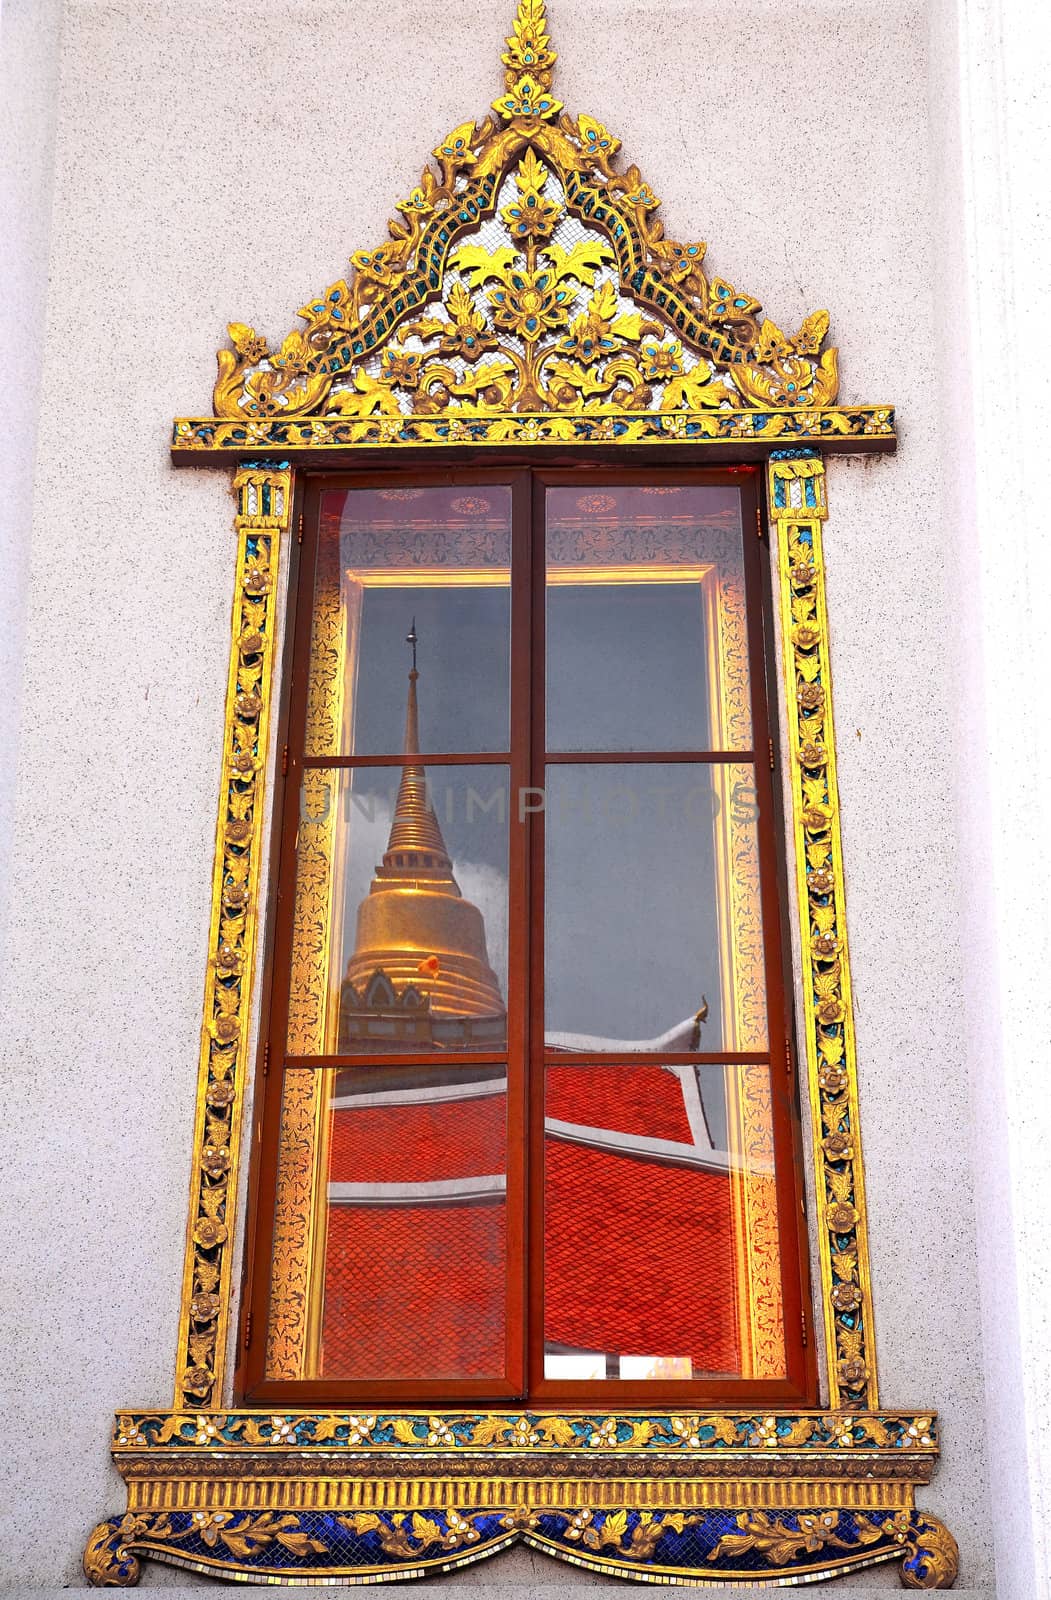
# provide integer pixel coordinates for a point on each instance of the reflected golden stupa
(419, 976)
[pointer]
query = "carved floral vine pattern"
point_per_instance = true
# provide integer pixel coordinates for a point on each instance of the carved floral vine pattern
(537, 1433)
(263, 498)
(527, 273)
(931, 1553)
(321, 1547)
(797, 503)
(197, 438)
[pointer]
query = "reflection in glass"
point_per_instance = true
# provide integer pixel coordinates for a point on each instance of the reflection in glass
(400, 931)
(661, 1237)
(653, 923)
(406, 1257)
(439, 554)
(646, 644)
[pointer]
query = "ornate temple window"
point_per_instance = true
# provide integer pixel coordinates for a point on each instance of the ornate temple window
(529, 985)
(526, 1208)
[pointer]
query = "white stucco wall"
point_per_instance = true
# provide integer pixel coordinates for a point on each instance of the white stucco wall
(30, 38)
(219, 161)
(990, 99)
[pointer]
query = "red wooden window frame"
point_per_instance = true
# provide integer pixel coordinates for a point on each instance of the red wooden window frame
(526, 761)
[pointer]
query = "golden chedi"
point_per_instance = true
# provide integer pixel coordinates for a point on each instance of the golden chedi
(419, 975)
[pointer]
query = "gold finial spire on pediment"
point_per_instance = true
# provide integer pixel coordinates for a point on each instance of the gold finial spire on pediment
(529, 60)
(528, 274)
(528, 45)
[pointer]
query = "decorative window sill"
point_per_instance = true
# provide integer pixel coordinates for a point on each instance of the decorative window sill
(321, 1498)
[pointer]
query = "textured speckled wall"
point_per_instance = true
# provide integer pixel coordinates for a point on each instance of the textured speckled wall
(30, 35)
(219, 161)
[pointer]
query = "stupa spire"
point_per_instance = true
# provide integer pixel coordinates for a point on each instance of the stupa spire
(420, 974)
(415, 835)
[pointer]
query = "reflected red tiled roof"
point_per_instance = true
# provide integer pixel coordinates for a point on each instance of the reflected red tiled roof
(414, 1292)
(639, 1258)
(639, 1255)
(419, 1143)
(645, 1099)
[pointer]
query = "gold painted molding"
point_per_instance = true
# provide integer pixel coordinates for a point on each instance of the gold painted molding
(318, 1498)
(264, 506)
(729, 434)
(798, 507)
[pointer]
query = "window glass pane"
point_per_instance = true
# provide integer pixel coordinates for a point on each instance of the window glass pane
(653, 922)
(399, 938)
(646, 638)
(391, 1211)
(440, 555)
(660, 1232)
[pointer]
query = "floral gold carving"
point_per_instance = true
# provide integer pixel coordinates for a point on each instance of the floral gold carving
(108, 1563)
(611, 1531)
(796, 486)
(781, 1544)
(933, 1559)
(687, 1543)
(263, 496)
(389, 1434)
(855, 429)
(527, 272)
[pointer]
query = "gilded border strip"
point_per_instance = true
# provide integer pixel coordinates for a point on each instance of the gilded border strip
(743, 988)
(798, 507)
(264, 497)
(298, 1491)
(855, 428)
(431, 1440)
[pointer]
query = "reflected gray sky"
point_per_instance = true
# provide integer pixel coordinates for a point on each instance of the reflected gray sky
(632, 929)
(626, 668)
(464, 656)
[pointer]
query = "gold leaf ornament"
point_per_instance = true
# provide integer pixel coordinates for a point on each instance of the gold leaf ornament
(557, 1429)
(724, 1428)
(582, 262)
(812, 334)
(425, 1529)
(361, 1522)
(476, 264)
(597, 141)
(250, 346)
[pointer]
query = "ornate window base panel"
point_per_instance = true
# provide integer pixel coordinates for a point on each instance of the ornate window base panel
(316, 1499)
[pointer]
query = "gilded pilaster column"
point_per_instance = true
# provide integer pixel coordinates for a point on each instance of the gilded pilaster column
(798, 507)
(264, 497)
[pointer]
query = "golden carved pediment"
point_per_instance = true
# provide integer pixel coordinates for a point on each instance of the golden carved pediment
(527, 272)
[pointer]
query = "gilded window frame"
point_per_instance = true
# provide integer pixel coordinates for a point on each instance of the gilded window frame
(783, 1497)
